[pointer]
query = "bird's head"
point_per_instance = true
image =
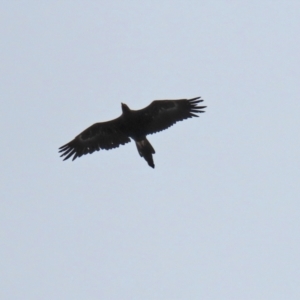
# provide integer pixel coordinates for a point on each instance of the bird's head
(125, 108)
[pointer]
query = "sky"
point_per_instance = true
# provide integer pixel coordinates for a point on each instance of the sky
(218, 217)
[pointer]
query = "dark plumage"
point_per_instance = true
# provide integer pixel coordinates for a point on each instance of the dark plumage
(135, 124)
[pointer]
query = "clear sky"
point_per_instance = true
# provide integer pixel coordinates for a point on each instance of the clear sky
(219, 216)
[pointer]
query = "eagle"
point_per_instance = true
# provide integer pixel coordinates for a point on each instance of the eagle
(132, 124)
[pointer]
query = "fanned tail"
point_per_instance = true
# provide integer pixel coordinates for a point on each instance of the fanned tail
(146, 150)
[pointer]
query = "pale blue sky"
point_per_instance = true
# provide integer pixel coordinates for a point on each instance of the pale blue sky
(219, 216)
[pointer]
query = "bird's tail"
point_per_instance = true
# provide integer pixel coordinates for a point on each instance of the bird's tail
(146, 150)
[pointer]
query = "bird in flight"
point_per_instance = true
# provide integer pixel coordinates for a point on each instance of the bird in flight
(132, 124)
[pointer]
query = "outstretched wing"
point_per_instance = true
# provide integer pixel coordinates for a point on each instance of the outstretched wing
(106, 135)
(161, 114)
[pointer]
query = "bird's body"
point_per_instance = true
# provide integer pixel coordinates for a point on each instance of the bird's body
(134, 124)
